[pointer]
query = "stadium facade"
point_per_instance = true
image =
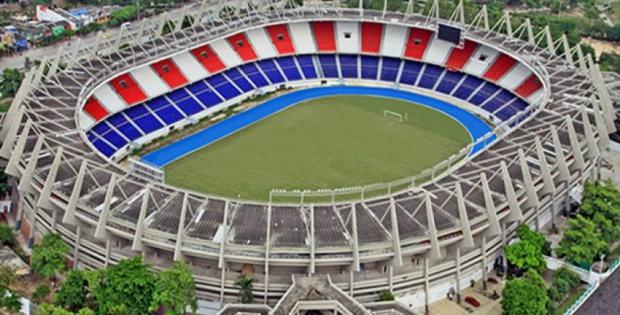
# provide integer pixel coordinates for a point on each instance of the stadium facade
(83, 110)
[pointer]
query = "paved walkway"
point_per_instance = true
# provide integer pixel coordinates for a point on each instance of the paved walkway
(605, 299)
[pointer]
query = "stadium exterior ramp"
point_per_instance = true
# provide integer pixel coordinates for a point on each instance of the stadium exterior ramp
(419, 243)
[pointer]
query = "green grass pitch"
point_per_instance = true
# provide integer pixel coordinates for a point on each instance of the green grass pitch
(332, 142)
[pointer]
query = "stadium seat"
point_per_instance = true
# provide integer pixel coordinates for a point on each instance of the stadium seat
(324, 36)
(502, 64)
(529, 86)
(371, 37)
(430, 76)
(271, 71)
(204, 93)
(328, 65)
(103, 147)
(487, 90)
(94, 109)
(170, 73)
(459, 56)
(208, 58)
(449, 81)
(389, 69)
(281, 39)
(498, 101)
(348, 65)
(252, 72)
(307, 66)
(143, 118)
(239, 80)
(242, 46)
(410, 72)
(467, 87)
(417, 42)
(123, 125)
(103, 130)
(164, 110)
(128, 89)
(370, 66)
(222, 86)
(289, 67)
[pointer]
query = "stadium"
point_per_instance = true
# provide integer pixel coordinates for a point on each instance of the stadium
(446, 134)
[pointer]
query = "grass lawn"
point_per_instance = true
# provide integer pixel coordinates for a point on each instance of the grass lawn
(573, 296)
(332, 142)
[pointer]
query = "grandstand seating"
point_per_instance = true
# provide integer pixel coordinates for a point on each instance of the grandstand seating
(243, 47)
(281, 39)
(170, 73)
(112, 134)
(208, 58)
(459, 56)
(324, 36)
(371, 37)
(502, 64)
(128, 89)
(417, 42)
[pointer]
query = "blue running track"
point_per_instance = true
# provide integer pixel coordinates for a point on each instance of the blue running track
(476, 127)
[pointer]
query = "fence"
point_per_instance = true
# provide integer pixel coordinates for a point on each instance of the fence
(592, 287)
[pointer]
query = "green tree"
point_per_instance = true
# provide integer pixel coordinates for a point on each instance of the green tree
(124, 288)
(7, 276)
(7, 235)
(73, 291)
(601, 204)
(526, 256)
(525, 233)
(524, 296)
(48, 258)
(582, 242)
(175, 290)
(11, 80)
(40, 293)
(245, 285)
(386, 295)
(9, 300)
(49, 309)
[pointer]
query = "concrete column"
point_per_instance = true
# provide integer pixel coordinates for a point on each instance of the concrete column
(76, 247)
(532, 197)
(599, 121)
(398, 258)
(582, 63)
(11, 135)
(178, 244)
(468, 240)
(100, 231)
(567, 51)
(426, 287)
(356, 254)
(26, 179)
(593, 151)
(137, 240)
(560, 157)
(16, 156)
(435, 251)
(549, 185)
(69, 216)
(267, 252)
(579, 163)
(312, 242)
(108, 252)
(221, 262)
(490, 206)
(511, 195)
(46, 192)
(549, 38)
(483, 249)
(458, 275)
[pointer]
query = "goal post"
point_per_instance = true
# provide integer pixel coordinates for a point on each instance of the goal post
(392, 115)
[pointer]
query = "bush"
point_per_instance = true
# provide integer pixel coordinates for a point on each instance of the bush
(7, 235)
(41, 293)
(386, 296)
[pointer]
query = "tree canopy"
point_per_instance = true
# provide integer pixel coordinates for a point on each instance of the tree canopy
(601, 204)
(582, 242)
(526, 256)
(125, 288)
(73, 291)
(11, 80)
(175, 290)
(525, 296)
(48, 258)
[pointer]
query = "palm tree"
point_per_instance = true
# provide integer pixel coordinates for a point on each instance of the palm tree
(245, 285)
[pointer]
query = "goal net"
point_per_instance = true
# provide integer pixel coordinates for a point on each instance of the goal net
(394, 116)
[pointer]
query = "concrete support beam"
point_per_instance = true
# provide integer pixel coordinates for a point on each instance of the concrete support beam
(559, 155)
(468, 240)
(267, 253)
(312, 242)
(108, 252)
(494, 228)
(593, 150)
(11, 135)
(426, 286)
(356, 253)
(69, 216)
(567, 51)
(221, 262)
(579, 163)
(13, 163)
(483, 251)
(601, 126)
(137, 239)
(76, 247)
(549, 38)
(26, 179)
(100, 231)
(398, 258)
(178, 244)
(457, 262)
(435, 251)
(515, 210)
(46, 192)
(549, 185)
